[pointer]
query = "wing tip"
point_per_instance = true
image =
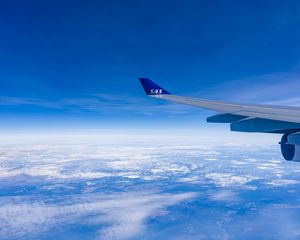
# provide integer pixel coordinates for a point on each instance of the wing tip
(151, 88)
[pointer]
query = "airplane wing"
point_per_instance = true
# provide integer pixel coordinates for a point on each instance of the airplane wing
(242, 117)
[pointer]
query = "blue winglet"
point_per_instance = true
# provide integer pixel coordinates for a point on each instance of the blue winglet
(151, 88)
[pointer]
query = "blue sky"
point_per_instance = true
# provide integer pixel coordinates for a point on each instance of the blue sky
(75, 64)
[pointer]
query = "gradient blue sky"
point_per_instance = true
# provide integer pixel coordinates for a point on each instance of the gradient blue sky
(75, 64)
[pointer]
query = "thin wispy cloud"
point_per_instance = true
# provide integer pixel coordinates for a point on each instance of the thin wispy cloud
(106, 103)
(275, 88)
(279, 88)
(20, 101)
(124, 215)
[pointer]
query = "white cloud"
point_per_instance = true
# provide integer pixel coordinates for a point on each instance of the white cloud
(101, 103)
(191, 179)
(276, 88)
(89, 161)
(224, 196)
(124, 215)
(228, 179)
(282, 182)
(223, 166)
(271, 222)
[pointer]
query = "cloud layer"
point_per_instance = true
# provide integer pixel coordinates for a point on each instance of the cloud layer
(124, 214)
(118, 191)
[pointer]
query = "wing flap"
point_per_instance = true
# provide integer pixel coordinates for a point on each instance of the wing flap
(225, 118)
(264, 125)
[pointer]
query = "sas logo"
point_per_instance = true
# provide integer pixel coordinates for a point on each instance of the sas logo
(156, 91)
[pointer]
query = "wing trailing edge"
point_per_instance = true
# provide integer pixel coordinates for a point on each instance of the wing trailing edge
(225, 118)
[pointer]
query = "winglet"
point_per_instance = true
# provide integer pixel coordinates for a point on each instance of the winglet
(151, 88)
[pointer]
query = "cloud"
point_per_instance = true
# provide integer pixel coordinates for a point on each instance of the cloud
(117, 216)
(282, 182)
(221, 174)
(100, 103)
(224, 196)
(191, 163)
(293, 101)
(87, 161)
(271, 222)
(221, 166)
(278, 88)
(229, 179)
(19, 101)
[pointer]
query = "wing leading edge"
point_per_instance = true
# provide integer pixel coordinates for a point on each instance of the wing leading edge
(242, 117)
